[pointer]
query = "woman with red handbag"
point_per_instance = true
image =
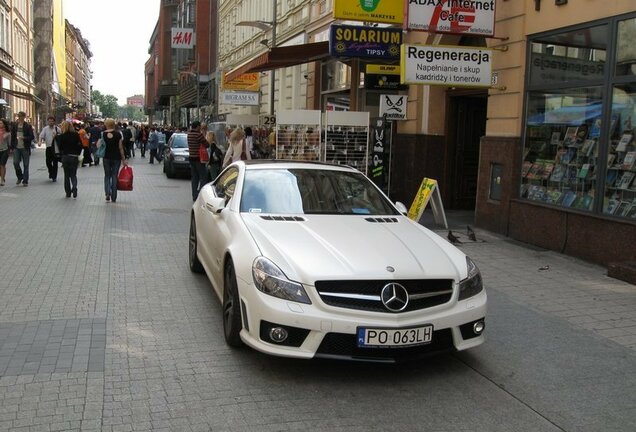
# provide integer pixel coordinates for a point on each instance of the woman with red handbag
(113, 158)
(237, 148)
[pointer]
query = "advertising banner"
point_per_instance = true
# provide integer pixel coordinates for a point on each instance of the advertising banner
(383, 77)
(240, 98)
(456, 66)
(378, 174)
(393, 107)
(382, 11)
(369, 42)
(476, 17)
(246, 81)
(182, 38)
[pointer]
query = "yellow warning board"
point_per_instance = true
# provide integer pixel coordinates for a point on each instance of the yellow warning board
(428, 189)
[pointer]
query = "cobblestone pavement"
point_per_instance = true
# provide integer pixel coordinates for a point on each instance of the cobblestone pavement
(103, 327)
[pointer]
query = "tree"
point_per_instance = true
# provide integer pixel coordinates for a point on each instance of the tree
(107, 103)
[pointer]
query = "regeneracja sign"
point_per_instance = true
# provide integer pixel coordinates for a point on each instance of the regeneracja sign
(369, 42)
(446, 65)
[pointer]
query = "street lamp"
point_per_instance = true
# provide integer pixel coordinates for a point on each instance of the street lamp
(267, 26)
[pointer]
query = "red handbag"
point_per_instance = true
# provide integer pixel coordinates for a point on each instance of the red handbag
(125, 179)
(203, 154)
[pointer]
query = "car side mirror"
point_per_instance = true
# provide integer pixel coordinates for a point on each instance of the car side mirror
(216, 205)
(401, 208)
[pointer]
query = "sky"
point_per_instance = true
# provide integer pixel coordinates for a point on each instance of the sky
(118, 32)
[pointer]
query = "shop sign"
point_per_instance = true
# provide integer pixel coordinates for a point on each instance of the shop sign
(393, 107)
(548, 68)
(369, 42)
(455, 66)
(381, 11)
(383, 77)
(428, 192)
(378, 174)
(246, 81)
(182, 38)
(476, 17)
(240, 98)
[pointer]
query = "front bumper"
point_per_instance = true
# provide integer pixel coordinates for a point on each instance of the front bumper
(330, 332)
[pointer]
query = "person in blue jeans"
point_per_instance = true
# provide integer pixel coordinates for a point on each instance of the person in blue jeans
(113, 158)
(21, 138)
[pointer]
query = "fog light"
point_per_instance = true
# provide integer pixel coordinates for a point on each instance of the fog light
(478, 327)
(278, 334)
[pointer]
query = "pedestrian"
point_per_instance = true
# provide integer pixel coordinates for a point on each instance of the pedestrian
(47, 136)
(133, 138)
(216, 156)
(237, 149)
(127, 136)
(249, 142)
(21, 138)
(86, 149)
(70, 145)
(5, 144)
(114, 157)
(94, 132)
(143, 139)
(161, 143)
(198, 171)
(153, 144)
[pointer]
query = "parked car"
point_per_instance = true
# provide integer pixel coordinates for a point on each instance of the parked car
(175, 157)
(313, 260)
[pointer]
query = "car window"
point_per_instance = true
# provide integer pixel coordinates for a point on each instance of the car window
(179, 141)
(311, 191)
(225, 185)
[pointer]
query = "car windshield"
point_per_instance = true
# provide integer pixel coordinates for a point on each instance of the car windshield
(180, 141)
(311, 191)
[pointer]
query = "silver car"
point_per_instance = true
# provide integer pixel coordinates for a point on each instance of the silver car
(175, 160)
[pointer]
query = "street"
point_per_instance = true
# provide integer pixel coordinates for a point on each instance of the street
(104, 327)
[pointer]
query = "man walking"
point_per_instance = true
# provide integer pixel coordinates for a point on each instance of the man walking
(153, 143)
(94, 132)
(21, 138)
(198, 171)
(47, 136)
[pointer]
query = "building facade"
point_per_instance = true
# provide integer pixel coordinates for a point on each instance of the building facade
(136, 100)
(78, 74)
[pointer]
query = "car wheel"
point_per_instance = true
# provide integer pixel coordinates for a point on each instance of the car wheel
(231, 309)
(195, 264)
(169, 170)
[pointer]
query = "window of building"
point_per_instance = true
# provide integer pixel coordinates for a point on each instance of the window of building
(578, 146)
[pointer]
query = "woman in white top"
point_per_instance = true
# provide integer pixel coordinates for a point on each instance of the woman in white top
(236, 146)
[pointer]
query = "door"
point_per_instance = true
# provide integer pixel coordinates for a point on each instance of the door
(467, 124)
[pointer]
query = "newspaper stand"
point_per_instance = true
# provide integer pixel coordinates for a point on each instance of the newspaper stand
(347, 139)
(298, 135)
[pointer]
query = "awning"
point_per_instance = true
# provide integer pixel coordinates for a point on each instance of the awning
(24, 95)
(281, 57)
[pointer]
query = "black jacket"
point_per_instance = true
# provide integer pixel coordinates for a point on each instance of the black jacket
(70, 143)
(27, 132)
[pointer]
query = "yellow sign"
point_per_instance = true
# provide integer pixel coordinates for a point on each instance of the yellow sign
(382, 11)
(247, 82)
(383, 69)
(421, 198)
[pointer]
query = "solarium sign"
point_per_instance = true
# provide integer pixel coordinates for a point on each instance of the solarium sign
(370, 42)
(473, 17)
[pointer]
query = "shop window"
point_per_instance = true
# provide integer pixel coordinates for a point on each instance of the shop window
(561, 150)
(620, 186)
(579, 147)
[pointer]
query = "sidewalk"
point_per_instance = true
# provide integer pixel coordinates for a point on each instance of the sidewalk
(559, 285)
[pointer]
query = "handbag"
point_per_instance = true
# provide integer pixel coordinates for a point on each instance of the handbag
(243, 153)
(125, 179)
(203, 154)
(101, 147)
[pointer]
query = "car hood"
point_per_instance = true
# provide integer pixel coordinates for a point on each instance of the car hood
(324, 247)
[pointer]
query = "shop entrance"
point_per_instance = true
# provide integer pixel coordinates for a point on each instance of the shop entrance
(466, 124)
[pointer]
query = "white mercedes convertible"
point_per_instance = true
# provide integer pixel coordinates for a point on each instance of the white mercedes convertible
(313, 260)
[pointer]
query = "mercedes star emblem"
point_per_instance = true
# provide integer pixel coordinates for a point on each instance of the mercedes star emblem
(394, 297)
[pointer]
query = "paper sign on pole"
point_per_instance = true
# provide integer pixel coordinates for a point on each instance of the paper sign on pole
(393, 106)
(428, 191)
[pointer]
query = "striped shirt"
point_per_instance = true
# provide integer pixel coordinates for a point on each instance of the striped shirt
(195, 140)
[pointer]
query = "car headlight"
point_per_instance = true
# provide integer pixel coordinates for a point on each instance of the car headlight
(473, 284)
(271, 280)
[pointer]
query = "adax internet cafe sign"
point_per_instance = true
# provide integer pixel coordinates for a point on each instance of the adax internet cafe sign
(446, 65)
(475, 17)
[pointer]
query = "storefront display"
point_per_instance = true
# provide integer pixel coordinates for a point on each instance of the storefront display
(347, 139)
(579, 152)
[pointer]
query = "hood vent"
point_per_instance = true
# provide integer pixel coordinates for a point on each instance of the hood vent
(284, 218)
(381, 219)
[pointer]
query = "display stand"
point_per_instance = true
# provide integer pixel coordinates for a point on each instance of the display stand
(347, 139)
(428, 191)
(298, 135)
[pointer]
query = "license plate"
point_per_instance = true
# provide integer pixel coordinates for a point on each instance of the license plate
(395, 338)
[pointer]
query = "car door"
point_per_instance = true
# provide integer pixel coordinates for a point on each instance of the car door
(216, 233)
